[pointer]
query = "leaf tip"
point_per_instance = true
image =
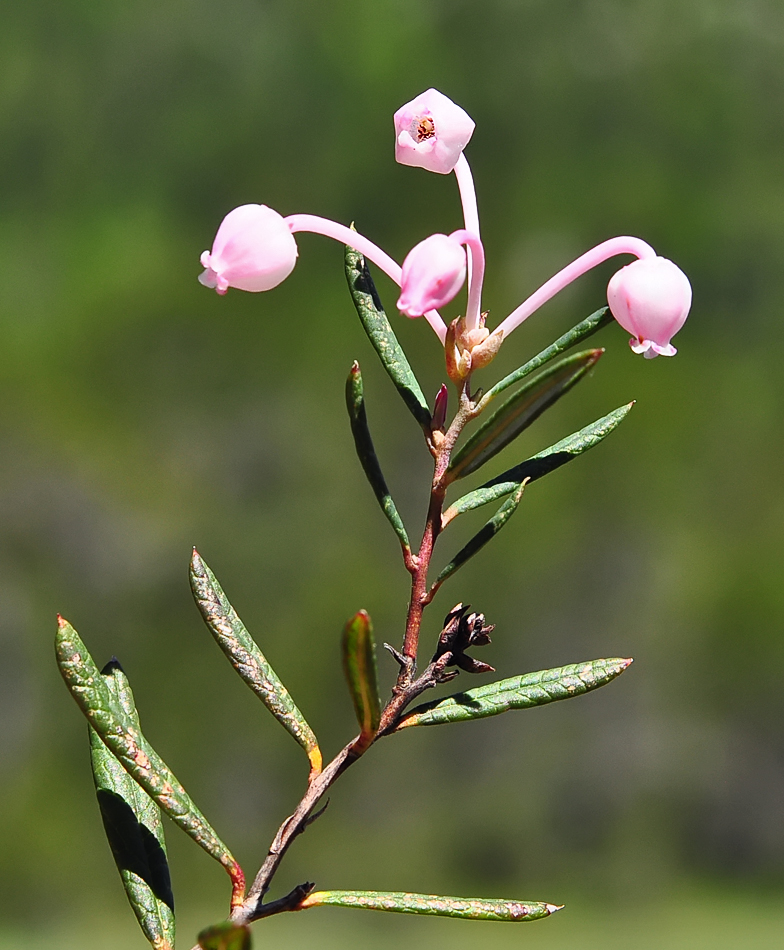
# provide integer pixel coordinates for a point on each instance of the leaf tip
(111, 666)
(554, 908)
(62, 623)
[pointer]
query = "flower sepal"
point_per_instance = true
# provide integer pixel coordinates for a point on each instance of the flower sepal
(468, 350)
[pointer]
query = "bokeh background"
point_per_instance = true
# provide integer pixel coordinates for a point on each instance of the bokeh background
(141, 414)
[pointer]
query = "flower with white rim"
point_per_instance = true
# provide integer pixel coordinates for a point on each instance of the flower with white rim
(650, 298)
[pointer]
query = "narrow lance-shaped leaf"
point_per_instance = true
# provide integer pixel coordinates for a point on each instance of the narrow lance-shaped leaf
(518, 692)
(571, 338)
(225, 936)
(541, 464)
(126, 742)
(486, 533)
(247, 659)
(519, 411)
(132, 822)
(355, 403)
(359, 664)
(467, 908)
(562, 452)
(381, 335)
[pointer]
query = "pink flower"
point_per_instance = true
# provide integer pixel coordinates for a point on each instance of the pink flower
(433, 273)
(431, 132)
(650, 298)
(253, 250)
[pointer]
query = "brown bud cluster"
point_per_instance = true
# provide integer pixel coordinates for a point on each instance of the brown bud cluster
(461, 631)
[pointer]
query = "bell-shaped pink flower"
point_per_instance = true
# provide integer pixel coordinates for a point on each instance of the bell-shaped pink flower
(253, 250)
(650, 298)
(431, 132)
(433, 273)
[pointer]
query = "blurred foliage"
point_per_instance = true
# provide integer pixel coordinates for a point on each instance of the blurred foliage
(140, 415)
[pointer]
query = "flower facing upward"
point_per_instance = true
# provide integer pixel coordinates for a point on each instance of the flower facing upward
(431, 132)
(253, 250)
(650, 298)
(433, 273)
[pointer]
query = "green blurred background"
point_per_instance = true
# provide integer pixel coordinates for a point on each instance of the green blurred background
(141, 414)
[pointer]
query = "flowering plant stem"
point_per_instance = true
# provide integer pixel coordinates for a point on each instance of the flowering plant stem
(407, 688)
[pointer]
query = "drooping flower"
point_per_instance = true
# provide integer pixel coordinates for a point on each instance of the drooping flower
(253, 250)
(431, 132)
(651, 299)
(433, 272)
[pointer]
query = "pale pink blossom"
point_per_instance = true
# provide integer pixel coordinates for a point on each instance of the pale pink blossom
(433, 273)
(253, 250)
(431, 132)
(650, 299)
(435, 270)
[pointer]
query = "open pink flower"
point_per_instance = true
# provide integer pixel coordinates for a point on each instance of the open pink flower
(431, 132)
(650, 298)
(253, 250)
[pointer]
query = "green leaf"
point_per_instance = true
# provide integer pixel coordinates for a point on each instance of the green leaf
(541, 464)
(125, 741)
(467, 908)
(132, 822)
(355, 402)
(488, 531)
(247, 659)
(380, 334)
(225, 936)
(519, 411)
(519, 692)
(562, 452)
(359, 664)
(576, 335)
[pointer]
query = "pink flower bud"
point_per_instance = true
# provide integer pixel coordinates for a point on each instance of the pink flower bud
(253, 250)
(433, 272)
(650, 298)
(431, 132)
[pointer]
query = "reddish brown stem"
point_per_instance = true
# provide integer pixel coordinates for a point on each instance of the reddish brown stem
(408, 686)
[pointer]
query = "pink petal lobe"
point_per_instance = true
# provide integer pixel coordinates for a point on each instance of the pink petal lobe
(431, 132)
